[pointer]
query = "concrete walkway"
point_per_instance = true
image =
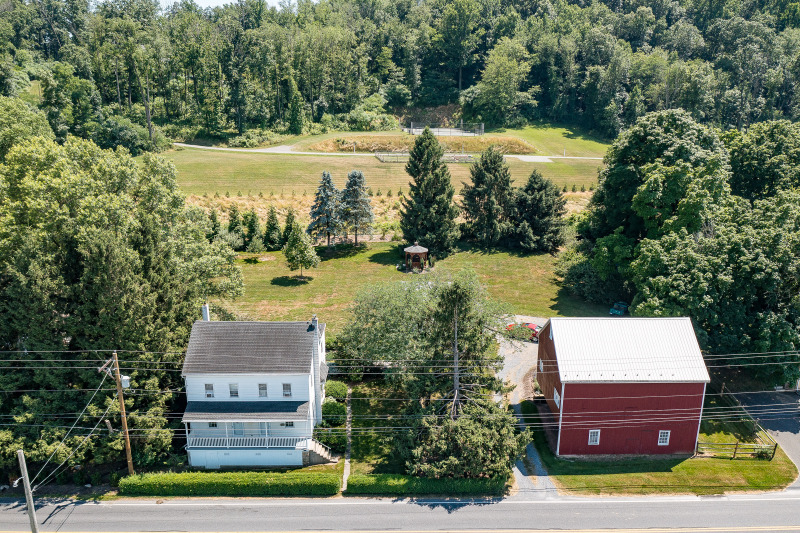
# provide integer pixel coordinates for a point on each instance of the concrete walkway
(289, 150)
(348, 428)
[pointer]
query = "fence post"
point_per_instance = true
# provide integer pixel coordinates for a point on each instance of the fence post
(735, 449)
(774, 451)
(411, 129)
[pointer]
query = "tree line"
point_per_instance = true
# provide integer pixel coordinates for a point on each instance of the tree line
(688, 221)
(121, 71)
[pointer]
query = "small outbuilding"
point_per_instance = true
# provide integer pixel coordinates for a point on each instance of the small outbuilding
(416, 257)
(628, 386)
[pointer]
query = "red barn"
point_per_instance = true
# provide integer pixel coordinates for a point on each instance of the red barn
(623, 385)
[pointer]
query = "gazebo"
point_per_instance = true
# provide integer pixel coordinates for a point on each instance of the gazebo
(416, 256)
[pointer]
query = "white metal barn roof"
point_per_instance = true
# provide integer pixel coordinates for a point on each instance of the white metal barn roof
(602, 350)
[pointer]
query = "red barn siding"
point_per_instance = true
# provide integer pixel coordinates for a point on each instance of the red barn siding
(629, 417)
(548, 379)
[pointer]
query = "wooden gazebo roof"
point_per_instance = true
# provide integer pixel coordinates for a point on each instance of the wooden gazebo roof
(416, 249)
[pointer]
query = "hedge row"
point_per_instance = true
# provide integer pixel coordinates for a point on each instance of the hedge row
(398, 485)
(230, 484)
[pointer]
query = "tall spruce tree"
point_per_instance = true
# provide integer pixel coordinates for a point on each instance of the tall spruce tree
(488, 201)
(325, 211)
(213, 219)
(288, 225)
(272, 231)
(539, 210)
(295, 108)
(299, 251)
(356, 208)
(252, 232)
(429, 214)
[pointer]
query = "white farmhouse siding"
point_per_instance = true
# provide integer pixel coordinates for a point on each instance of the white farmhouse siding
(254, 392)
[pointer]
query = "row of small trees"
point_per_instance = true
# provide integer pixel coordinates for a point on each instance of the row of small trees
(495, 213)
(340, 212)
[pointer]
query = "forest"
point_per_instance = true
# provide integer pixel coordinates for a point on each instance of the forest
(126, 72)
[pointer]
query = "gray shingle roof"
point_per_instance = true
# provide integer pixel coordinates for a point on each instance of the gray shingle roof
(415, 249)
(231, 410)
(250, 347)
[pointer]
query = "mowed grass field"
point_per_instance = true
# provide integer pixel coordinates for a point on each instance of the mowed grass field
(272, 292)
(214, 171)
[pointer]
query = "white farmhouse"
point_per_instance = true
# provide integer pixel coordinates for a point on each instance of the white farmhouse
(254, 393)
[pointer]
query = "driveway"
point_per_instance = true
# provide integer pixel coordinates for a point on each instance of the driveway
(779, 413)
(519, 368)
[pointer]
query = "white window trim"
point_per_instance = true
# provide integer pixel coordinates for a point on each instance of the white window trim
(212, 424)
(209, 391)
(266, 390)
(666, 433)
(287, 394)
(289, 424)
(231, 390)
(541, 365)
(557, 398)
(595, 433)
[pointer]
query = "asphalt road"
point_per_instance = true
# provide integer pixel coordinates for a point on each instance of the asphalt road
(739, 513)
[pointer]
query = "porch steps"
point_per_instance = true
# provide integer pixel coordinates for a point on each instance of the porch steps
(318, 454)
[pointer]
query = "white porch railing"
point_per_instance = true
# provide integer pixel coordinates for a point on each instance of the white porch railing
(244, 442)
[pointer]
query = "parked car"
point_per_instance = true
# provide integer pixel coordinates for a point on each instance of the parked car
(619, 309)
(525, 330)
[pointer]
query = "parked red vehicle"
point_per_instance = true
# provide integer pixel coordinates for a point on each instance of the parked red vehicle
(525, 329)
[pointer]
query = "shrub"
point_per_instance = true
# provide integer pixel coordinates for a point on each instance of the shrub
(333, 413)
(230, 484)
(398, 485)
(334, 438)
(336, 390)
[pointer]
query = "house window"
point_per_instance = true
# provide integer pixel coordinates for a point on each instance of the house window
(234, 388)
(262, 390)
(289, 424)
(541, 365)
(663, 438)
(212, 424)
(287, 390)
(594, 437)
(557, 398)
(209, 390)
(238, 429)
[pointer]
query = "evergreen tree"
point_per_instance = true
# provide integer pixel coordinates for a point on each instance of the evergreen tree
(488, 201)
(235, 221)
(299, 251)
(215, 226)
(429, 214)
(356, 208)
(288, 226)
(252, 232)
(539, 215)
(295, 108)
(325, 211)
(272, 232)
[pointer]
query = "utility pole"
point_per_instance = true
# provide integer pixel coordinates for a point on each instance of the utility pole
(124, 416)
(28, 494)
(119, 379)
(456, 376)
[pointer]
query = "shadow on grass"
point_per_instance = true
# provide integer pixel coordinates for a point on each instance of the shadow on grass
(250, 260)
(291, 281)
(340, 251)
(570, 305)
(387, 258)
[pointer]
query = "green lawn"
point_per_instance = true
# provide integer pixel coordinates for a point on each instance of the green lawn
(662, 476)
(214, 171)
(552, 139)
(372, 450)
(272, 292)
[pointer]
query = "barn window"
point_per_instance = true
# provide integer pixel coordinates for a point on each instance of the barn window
(663, 438)
(541, 365)
(594, 437)
(557, 398)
